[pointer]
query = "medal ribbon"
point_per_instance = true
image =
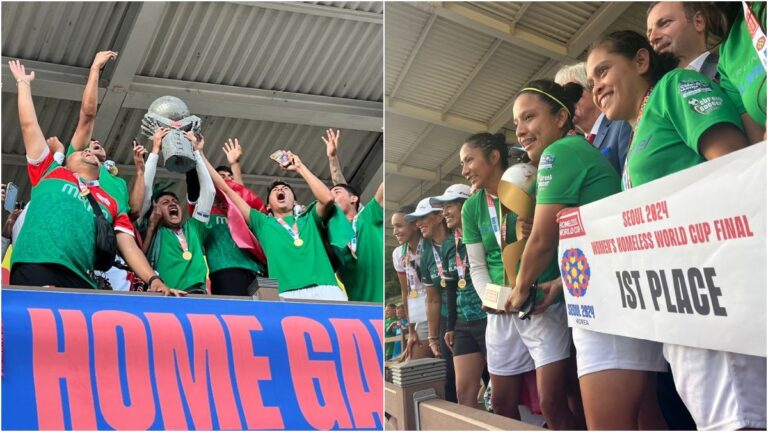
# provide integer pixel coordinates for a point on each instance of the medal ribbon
(410, 273)
(459, 261)
(625, 177)
(438, 262)
(84, 185)
(757, 34)
(182, 240)
(353, 243)
(293, 231)
(495, 217)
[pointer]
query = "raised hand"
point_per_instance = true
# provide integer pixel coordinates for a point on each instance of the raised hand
(233, 151)
(296, 163)
(102, 57)
(197, 144)
(19, 73)
(55, 145)
(155, 216)
(331, 140)
(157, 139)
(138, 155)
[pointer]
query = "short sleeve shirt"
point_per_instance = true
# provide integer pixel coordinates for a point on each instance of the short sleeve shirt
(682, 106)
(221, 249)
(60, 225)
(742, 77)
(468, 303)
(294, 267)
(114, 185)
(173, 268)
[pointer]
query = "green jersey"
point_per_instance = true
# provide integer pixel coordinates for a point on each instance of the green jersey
(389, 348)
(294, 267)
(363, 271)
(468, 303)
(476, 223)
(221, 250)
(430, 272)
(59, 227)
(167, 255)
(742, 77)
(682, 106)
(114, 185)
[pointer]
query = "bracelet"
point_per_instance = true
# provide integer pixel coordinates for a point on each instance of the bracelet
(432, 338)
(152, 279)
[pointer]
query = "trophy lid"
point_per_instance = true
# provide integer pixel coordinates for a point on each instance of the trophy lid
(169, 107)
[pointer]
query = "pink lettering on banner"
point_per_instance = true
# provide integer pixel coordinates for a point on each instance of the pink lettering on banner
(49, 365)
(249, 370)
(570, 223)
(354, 338)
(141, 413)
(172, 357)
(332, 411)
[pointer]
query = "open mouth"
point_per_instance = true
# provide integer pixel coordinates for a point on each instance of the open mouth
(280, 196)
(525, 143)
(173, 211)
(603, 102)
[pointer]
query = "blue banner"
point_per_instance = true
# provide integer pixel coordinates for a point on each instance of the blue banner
(86, 360)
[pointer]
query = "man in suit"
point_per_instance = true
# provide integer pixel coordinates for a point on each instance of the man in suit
(682, 29)
(610, 137)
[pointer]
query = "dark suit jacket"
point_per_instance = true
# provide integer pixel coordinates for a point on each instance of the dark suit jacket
(612, 140)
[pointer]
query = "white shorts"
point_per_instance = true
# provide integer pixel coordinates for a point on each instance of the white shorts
(597, 352)
(422, 330)
(507, 354)
(546, 336)
(722, 390)
(320, 292)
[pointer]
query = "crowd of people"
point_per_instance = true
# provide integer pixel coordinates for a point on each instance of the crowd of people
(84, 228)
(640, 108)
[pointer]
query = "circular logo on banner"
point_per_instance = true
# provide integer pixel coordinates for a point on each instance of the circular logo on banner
(576, 272)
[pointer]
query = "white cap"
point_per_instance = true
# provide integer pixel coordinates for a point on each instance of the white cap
(453, 193)
(423, 209)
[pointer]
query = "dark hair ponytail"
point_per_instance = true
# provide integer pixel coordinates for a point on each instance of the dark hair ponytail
(627, 43)
(555, 96)
(488, 142)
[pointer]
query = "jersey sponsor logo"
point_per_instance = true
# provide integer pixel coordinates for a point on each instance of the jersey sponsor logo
(576, 272)
(547, 162)
(761, 43)
(543, 181)
(690, 88)
(706, 105)
(219, 220)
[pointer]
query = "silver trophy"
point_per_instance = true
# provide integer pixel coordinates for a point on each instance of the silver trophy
(171, 112)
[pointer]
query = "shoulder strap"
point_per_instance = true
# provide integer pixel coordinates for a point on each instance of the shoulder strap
(96, 209)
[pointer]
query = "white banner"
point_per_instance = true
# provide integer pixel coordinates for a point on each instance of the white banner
(680, 260)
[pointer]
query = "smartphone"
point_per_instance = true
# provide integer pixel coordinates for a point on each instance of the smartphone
(11, 193)
(281, 157)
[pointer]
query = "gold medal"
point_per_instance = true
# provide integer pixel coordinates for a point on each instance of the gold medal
(298, 242)
(413, 294)
(462, 283)
(187, 255)
(442, 283)
(84, 192)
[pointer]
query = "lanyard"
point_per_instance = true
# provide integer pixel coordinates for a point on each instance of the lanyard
(495, 217)
(353, 242)
(459, 261)
(85, 185)
(625, 177)
(757, 35)
(439, 264)
(187, 255)
(293, 231)
(410, 273)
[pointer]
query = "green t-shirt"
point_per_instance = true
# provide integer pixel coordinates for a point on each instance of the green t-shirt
(682, 106)
(167, 255)
(59, 225)
(114, 185)
(742, 77)
(363, 277)
(223, 253)
(476, 223)
(294, 267)
(390, 346)
(430, 276)
(468, 303)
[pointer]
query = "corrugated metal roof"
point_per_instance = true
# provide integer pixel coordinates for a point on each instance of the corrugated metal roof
(558, 21)
(403, 28)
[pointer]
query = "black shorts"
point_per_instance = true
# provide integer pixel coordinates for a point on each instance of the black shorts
(35, 274)
(469, 337)
(233, 282)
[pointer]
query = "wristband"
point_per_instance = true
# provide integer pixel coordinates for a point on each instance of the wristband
(432, 338)
(152, 279)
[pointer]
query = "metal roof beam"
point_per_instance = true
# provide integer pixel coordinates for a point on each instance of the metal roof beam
(471, 77)
(138, 37)
(468, 16)
(414, 53)
(254, 104)
(51, 80)
(605, 15)
(415, 145)
(321, 10)
(452, 121)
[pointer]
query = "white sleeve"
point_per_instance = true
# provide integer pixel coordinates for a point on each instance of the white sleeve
(397, 259)
(150, 168)
(478, 267)
(59, 158)
(6, 243)
(207, 191)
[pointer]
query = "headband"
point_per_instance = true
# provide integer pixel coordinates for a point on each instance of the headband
(549, 96)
